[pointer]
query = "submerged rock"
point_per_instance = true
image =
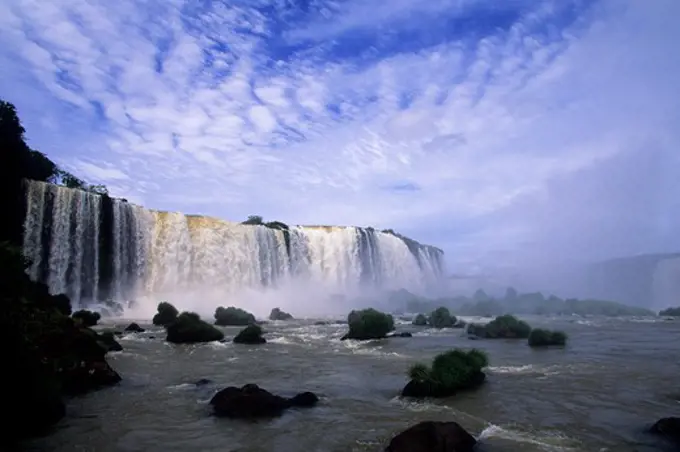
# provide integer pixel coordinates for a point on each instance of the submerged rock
(431, 436)
(251, 402)
(402, 334)
(134, 328)
(668, 427)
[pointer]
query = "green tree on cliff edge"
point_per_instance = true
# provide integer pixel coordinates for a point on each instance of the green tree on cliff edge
(18, 161)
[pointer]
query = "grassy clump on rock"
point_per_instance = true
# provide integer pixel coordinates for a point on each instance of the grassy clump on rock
(442, 318)
(502, 327)
(368, 324)
(189, 328)
(233, 316)
(450, 372)
(166, 314)
(540, 337)
(420, 320)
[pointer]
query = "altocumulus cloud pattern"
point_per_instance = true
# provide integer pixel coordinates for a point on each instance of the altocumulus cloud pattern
(496, 130)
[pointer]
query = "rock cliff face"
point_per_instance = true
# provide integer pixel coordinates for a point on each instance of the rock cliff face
(95, 248)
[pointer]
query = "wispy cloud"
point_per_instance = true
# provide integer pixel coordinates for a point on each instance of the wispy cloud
(492, 131)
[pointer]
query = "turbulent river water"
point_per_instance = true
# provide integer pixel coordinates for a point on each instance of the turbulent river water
(599, 393)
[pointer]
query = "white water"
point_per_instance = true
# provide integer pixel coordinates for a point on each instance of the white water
(96, 251)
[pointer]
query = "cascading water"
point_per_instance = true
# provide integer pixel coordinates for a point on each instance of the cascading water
(95, 248)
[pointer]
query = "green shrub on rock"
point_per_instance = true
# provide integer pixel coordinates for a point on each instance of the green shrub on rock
(502, 327)
(542, 338)
(166, 315)
(86, 318)
(452, 371)
(368, 324)
(189, 328)
(420, 320)
(441, 318)
(232, 316)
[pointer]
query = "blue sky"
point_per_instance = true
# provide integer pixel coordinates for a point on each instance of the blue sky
(504, 132)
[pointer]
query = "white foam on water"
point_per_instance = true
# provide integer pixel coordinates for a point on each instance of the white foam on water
(369, 348)
(439, 332)
(218, 345)
(552, 442)
(134, 337)
(527, 369)
(281, 340)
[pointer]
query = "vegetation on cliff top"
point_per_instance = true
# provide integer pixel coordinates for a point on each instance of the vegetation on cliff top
(670, 312)
(535, 303)
(17, 162)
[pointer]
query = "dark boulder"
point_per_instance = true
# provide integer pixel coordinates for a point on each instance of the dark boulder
(86, 318)
(278, 314)
(304, 400)
(202, 382)
(431, 436)
(252, 334)
(108, 342)
(668, 427)
(134, 328)
(251, 401)
(232, 316)
(166, 314)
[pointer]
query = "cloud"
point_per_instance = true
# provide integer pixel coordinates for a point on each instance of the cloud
(489, 130)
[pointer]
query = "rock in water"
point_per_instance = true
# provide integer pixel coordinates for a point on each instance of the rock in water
(108, 342)
(233, 316)
(189, 328)
(86, 318)
(134, 328)
(402, 334)
(251, 401)
(668, 427)
(431, 436)
(278, 314)
(166, 315)
(252, 334)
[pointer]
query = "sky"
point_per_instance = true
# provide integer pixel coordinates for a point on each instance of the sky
(505, 133)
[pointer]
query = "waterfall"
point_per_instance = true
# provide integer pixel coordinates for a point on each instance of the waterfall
(95, 249)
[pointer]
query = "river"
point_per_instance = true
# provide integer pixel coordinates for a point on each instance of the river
(615, 377)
